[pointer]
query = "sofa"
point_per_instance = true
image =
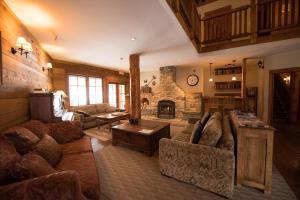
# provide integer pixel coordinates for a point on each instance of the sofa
(47, 161)
(209, 162)
(87, 115)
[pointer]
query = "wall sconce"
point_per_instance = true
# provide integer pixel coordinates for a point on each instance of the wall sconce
(22, 46)
(260, 64)
(48, 66)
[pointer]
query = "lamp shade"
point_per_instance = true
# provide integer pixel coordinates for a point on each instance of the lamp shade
(21, 42)
(28, 47)
(62, 93)
(49, 65)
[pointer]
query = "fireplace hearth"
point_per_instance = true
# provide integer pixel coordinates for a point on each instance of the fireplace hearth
(166, 109)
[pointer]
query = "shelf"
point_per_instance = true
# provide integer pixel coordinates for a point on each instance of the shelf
(228, 85)
(228, 71)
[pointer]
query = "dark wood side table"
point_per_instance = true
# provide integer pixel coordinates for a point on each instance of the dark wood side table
(136, 136)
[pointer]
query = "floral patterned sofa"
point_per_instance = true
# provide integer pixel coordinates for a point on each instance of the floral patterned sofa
(47, 161)
(209, 163)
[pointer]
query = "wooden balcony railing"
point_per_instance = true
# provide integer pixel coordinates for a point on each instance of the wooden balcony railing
(276, 15)
(187, 14)
(226, 26)
(245, 25)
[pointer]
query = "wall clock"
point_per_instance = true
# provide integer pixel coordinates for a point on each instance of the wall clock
(192, 80)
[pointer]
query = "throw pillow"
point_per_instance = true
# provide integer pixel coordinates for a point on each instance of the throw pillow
(30, 166)
(216, 115)
(196, 133)
(211, 133)
(64, 132)
(198, 128)
(101, 108)
(8, 158)
(36, 127)
(22, 138)
(48, 148)
(227, 140)
(85, 114)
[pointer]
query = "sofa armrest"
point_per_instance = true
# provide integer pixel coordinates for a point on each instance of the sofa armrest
(62, 185)
(207, 167)
(78, 117)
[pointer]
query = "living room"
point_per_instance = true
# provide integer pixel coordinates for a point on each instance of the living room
(162, 99)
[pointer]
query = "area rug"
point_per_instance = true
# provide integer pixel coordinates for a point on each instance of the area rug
(101, 134)
(130, 175)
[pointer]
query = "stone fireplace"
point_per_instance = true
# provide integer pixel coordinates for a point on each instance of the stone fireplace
(168, 90)
(166, 109)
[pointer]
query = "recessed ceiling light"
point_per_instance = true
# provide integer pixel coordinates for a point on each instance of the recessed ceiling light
(121, 58)
(133, 39)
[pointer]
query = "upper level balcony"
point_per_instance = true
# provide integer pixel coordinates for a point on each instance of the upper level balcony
(213, 25)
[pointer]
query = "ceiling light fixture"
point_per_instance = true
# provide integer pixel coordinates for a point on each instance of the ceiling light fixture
(133, 39)
(233, 65)
(210, 79)
(22, 46)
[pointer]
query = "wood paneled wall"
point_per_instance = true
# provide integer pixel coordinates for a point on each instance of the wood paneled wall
(62, 69)
(20, 75)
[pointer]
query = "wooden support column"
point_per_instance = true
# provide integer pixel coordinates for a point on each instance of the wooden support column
(135, 95)
(294, 97)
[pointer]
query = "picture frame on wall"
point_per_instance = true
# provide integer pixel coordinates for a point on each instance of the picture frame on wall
(1, 70)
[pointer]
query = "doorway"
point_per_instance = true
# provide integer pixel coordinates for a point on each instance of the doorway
(284, 115)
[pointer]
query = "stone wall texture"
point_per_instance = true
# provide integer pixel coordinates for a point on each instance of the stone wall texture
(169, 90)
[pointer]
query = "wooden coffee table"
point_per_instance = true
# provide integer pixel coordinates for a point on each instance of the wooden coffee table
(109, 118)
(137, 137)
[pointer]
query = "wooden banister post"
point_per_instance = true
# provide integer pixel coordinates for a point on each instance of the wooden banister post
(135, 95)
(253, 20)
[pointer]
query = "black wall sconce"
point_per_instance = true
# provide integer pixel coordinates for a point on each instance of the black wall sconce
(22, 46)
(261, 64)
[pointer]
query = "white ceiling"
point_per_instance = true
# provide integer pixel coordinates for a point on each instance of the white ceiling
(99, 32)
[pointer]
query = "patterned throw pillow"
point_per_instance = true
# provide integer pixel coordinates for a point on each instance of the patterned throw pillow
(22, 138)
(48, 148)
(198, 128)
(36, 127)
(64, 132)
(8, 158)
(30, 166)
(211, 133)
(227, 140)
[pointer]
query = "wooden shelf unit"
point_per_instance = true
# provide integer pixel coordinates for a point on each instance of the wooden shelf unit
(228, 70)
(228, 85)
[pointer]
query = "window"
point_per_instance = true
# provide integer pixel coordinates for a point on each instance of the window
(77, 90)
(95, 90)
(122, 96)
(112, 94)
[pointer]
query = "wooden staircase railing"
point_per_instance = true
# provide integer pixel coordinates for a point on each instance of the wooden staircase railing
(226, 26)
(276, 15)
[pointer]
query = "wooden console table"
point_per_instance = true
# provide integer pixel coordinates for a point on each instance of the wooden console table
(254, 153)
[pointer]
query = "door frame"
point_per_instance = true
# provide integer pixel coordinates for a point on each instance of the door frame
(271, 89)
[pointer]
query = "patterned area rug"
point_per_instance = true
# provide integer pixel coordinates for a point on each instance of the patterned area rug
(101, 134)
(129, 175)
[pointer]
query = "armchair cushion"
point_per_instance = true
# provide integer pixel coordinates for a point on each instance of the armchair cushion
(30, 166)
(8, 158)
(48, 148)
(23, 139)
(85, 114)
(64, 132)
(182, 137)
(36, 127)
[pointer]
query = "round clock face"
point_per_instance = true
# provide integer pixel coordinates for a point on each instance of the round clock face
(192, 80)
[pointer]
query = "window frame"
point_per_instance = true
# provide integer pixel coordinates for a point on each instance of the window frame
(117, 92)
(88, 88)
(77, 75)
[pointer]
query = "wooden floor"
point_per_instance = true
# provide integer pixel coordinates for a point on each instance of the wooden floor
(287, 154)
